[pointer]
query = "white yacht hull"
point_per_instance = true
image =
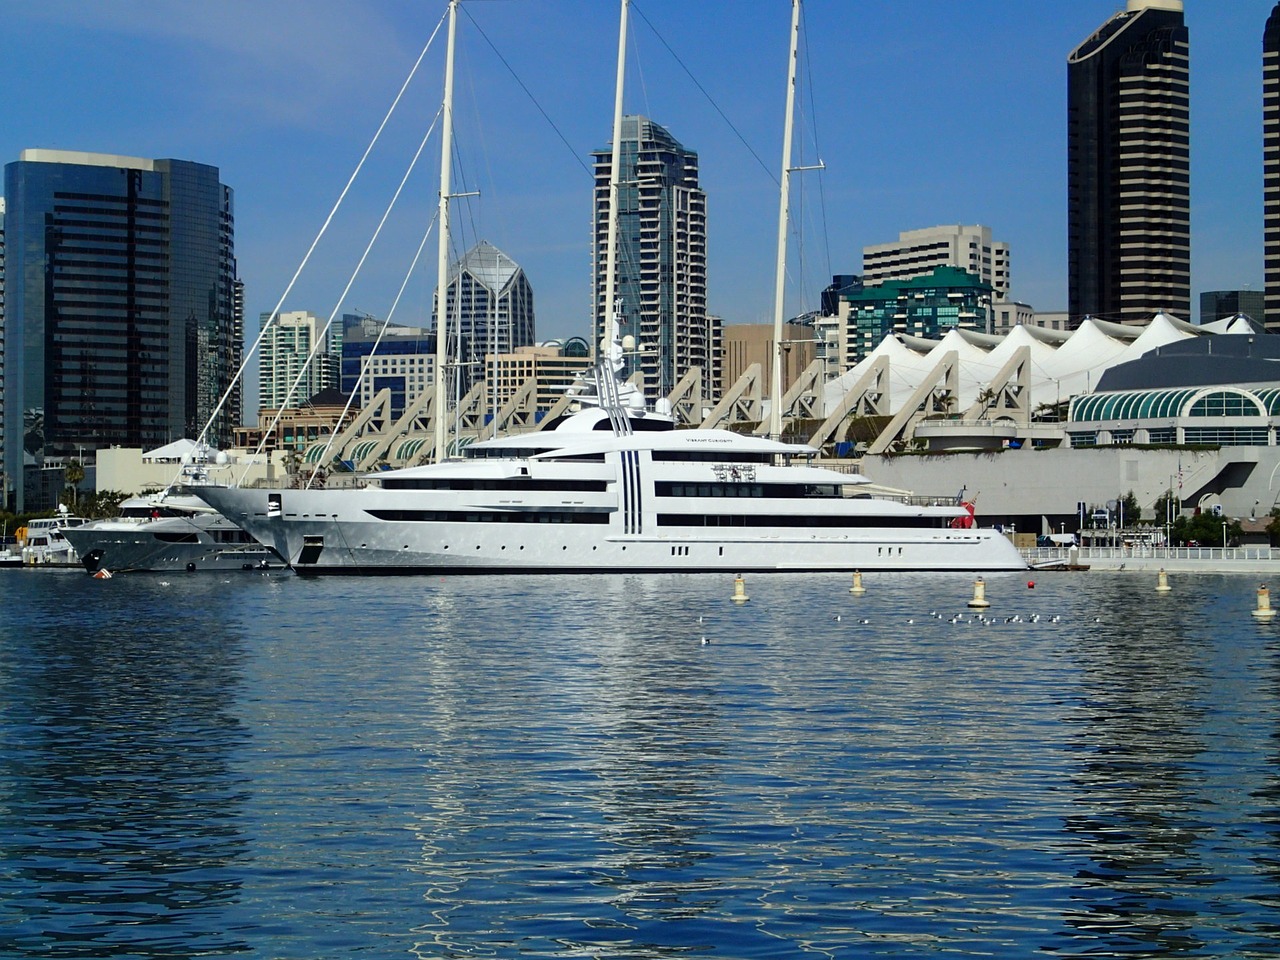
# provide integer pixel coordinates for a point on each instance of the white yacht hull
(332, 531)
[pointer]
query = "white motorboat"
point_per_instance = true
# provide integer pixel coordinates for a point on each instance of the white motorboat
(44, 542)
(167, 531)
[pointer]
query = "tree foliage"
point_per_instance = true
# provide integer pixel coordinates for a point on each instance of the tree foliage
(1132, 511)
(1205, 529)
(1166, 506)
(1273, 528)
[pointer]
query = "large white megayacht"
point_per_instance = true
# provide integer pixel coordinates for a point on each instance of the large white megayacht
(607, 491)
(612, 488)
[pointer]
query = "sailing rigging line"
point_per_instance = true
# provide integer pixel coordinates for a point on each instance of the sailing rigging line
(639, 68)
(345, 290)
(528, 93)
(817, 149)
(368, 360)
(711, 100)
(244, 363)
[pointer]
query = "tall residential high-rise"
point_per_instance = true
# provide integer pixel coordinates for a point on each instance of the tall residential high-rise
(661, 257)
(122, 305)
(490, 304)
(5, 485)
(917, 252)
(1128, 167)
(297, 359)
(1271, 167)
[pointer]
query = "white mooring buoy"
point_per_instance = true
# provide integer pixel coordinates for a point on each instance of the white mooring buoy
(979, 594)
(857, 583)
(1264, 611)
(740, 591)
(1162, 582)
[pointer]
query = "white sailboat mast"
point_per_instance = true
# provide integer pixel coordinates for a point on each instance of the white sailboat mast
(439, 414)
(784, 214)
(615, 164)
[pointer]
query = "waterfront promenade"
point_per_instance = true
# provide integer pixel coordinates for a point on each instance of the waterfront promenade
(1247, 559)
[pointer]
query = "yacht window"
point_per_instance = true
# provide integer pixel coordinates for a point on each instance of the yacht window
(522, 482)
(490, 516)
(775, 491)
(711, 456)
(807, 521)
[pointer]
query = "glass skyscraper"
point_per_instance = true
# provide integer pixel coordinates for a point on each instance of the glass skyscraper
(1271, 167)
(662, 256)
(1128, 167)
(490, 309)
(5, 484)
(124, 313)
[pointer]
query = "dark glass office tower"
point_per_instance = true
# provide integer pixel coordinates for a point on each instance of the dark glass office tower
(1128, 167)
(662, 256)
(124, 312)
(1271, 166)
(5, 484)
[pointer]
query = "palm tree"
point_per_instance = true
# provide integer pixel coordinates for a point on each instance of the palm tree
(73, 476)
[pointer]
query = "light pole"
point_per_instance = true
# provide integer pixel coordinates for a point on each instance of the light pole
(1224, 535)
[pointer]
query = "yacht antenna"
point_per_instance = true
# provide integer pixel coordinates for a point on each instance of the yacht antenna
(442, 259)
(784, 213)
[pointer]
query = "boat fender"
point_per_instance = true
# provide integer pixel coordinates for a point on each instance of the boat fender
(246, 566)
(191, 568)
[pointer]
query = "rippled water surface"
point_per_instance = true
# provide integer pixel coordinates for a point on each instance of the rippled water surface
(517, 766)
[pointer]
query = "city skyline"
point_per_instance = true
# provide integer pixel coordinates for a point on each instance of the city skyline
(956, 120)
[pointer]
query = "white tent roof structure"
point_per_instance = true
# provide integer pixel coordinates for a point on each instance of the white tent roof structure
(1239, 323)
(1062, 364)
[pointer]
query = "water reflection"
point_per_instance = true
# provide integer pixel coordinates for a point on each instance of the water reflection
(449, 767)
(1142, 826)
(119, 803)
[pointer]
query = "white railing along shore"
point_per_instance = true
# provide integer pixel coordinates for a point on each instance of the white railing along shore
(1250, 553)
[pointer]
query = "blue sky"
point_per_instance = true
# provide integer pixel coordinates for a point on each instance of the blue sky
(924, 111)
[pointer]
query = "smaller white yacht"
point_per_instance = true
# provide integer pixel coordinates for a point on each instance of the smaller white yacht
(168, 531)
(45, 543)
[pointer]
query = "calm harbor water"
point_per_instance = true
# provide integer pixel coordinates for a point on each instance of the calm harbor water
(284, 767)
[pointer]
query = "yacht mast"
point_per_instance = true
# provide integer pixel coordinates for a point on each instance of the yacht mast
(439, 414)
(784, 212)
(615, 163)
